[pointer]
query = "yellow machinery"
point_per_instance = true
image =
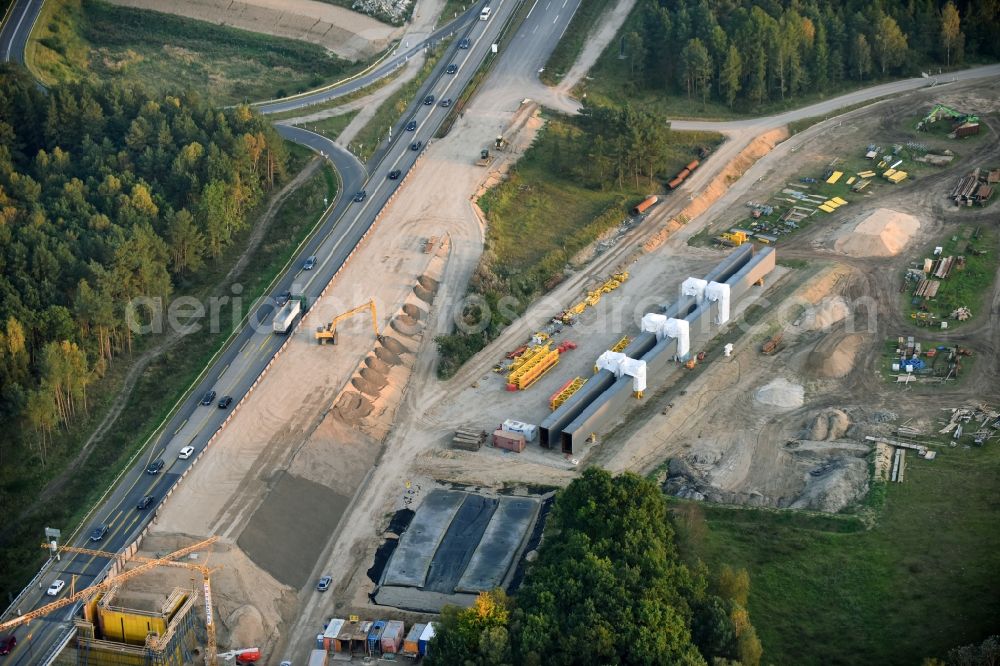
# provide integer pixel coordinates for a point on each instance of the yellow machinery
(565, 392)
(594, 297)
(531, 365)
(329, 332)
(147, 563)
(621, 344)
(734, 238)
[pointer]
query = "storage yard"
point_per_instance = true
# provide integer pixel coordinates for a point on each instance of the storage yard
(746, 372)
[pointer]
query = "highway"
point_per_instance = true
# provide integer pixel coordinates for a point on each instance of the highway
(240, 363)
(17, 27)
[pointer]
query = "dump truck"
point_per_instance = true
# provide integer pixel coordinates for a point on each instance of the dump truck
(484, 158)
(286, 316)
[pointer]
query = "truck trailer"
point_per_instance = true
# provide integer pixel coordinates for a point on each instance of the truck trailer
(286, 316)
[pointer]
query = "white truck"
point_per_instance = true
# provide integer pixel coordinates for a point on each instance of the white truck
(286, 316)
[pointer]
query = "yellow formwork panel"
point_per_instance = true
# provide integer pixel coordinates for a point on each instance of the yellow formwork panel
(826, 208)
(834, 177)
(128, 627)
(840, 202)
(534, 371)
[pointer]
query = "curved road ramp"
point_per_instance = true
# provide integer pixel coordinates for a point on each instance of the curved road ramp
(457, 545)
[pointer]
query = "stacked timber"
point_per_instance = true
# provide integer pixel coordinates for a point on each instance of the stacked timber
(468, 438)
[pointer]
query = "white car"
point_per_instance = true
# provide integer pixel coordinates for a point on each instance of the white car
(55, 588)
(186, 452)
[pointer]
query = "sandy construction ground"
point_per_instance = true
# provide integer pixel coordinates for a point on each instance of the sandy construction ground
(305, 481)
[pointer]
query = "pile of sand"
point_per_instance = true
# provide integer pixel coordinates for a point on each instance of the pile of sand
(838, 361)
(781, 393)
(828, 425)
(824, 314)
(884, 233)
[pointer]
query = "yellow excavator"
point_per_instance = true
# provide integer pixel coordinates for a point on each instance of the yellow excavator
(328, 333)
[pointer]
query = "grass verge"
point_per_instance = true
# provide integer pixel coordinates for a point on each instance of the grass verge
(919, 583)
(153, 397)
(452, 10)
(91, 40)
(337, 101)
(332, 127)
(572, 41)
(367, 140)
(539, 219)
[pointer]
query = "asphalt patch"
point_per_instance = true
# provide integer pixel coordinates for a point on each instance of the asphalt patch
(291, 527)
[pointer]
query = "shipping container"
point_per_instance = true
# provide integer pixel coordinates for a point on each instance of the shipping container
(374, 636)
(331, 632)
(392, 637)
(511, 441)
(529, 430)
(425, 638)
(317, 658)
(645, 205)
(411, 644)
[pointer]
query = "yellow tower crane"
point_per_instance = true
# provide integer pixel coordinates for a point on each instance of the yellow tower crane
(329, 332)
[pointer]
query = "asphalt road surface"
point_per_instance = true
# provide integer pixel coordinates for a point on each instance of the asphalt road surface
(244, 358)
(17, 27)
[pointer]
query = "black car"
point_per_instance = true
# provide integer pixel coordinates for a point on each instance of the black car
(7, 643)
(463, 43)
(155, 466)
(394, 174)
(446, 102)
(282, 298)
(98, 532)
(145, 502)
(225, 401)
(360, 196)
(452, 69)
(411, 126)
(416, 145)
(428, 100)
(208, 398)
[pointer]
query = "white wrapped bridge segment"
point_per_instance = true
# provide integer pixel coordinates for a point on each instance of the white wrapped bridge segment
(719, 292)
(637, 371)
(612, 362)
(654, 323)
(680, 330)
(694, 287)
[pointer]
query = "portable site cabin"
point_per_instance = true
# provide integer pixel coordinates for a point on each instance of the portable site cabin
(411, 644)
(425, 639)
(353, 638)
(392, 637)
(331, 632)
(374, 637)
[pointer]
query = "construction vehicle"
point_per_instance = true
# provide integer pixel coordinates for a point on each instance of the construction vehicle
(286, 316)
(244, 656)
(733, 238)
(484, 158)
(772, 344)
(941, 111)
(329, 332)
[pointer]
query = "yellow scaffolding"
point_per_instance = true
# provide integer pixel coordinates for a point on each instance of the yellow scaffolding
(621, 344)
(564, 393)
(531, 365)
